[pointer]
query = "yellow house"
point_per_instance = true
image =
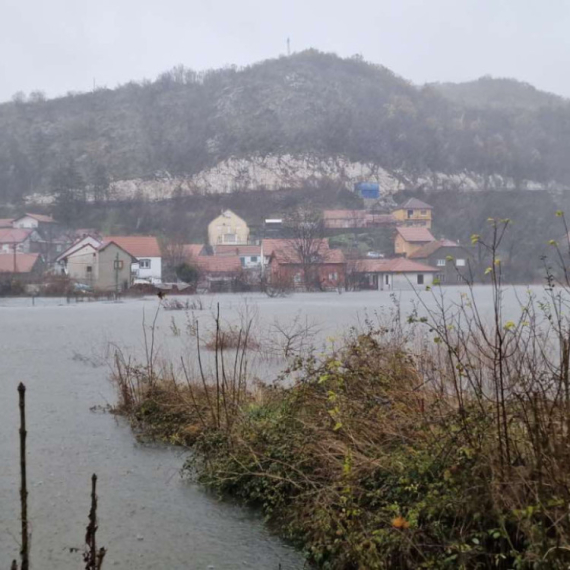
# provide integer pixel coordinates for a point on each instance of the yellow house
(228, 228)
(409, 240)
(414, 212)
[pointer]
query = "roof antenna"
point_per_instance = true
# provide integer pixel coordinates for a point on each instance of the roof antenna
(288, 46)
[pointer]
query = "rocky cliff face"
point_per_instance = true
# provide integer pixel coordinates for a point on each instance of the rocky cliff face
(286, 171)
(294, 172)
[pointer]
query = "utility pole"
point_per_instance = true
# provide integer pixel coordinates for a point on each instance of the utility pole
(288, 46)
(15, 266)
(117, 274)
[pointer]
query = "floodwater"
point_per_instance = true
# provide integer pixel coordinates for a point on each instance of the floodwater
(149, 516)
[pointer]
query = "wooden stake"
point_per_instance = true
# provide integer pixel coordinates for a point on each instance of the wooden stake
(25, 549)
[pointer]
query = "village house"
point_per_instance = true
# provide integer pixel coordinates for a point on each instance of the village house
(19, 240)
(61, 260)
(104, 267)
(48, 238)
(34, 222)
(450, 260)
(147, 264)
(414, 213)
(228, 228)
(408, 240)
(325, 269)
(250, 255)
(397, 274)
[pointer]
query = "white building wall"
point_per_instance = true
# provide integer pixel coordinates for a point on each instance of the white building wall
(153, 273)
(26, 223)
(409, 281)
(250, 261)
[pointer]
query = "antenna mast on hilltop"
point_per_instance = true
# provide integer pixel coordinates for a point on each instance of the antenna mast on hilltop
(288, 46)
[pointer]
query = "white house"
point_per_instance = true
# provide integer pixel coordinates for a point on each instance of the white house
(399, 274)
(146, 250)
(62, 260)
(32, 221)
(19, 240)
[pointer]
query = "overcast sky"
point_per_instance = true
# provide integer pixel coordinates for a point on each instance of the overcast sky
(62, 45)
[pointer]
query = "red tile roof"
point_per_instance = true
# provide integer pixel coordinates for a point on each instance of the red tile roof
(218, 264)
(416, 235)
(6, 222)
(396, 265)
(429, 248)
(324, 256)
(14, 235)
(414, 204)
(192, 249)
(271, 245)
(39, 217)
(137, 246)
(25, 262)
(237, 250)
(106, 244)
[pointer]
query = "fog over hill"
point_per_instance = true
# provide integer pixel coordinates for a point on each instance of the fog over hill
(287, 122)
(500, 93)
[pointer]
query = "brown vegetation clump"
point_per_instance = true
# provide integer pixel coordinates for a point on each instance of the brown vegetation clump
(231, 339)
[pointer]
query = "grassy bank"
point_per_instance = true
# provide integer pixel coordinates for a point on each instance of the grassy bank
(400, 449)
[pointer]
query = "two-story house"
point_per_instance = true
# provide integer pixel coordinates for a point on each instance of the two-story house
(408, 240)
(229, 229)
(105, 267)
(148, 257)
(413, 212)
(450, 260)
(145, 252)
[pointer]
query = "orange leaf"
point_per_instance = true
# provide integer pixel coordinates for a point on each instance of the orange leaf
(400, 522)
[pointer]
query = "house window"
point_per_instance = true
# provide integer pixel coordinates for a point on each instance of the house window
(230, 238)
(118, 264)
(460, 262)
(420, 279)
(89, 269)
(333, 276)
(387, 280)
(242, 259)
(253, 259)
(441, 262)
(144, 263)
(410, 213)
(440, 277)
(298, 278)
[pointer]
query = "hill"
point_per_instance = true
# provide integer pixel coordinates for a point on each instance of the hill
(286, 122)
(499, 93)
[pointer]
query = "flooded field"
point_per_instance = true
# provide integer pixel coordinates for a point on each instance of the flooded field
(149, 516)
